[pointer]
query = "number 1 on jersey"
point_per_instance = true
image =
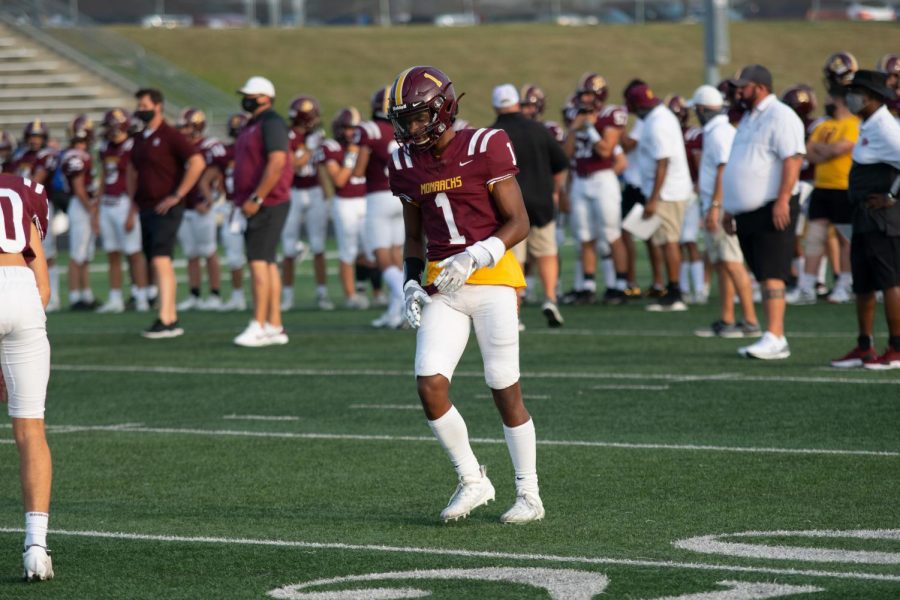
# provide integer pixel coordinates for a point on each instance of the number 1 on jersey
(443, 202)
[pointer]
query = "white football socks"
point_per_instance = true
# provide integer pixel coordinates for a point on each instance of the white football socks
(609, 273)
(684, 278)
(115, 295)
(74, 297)
(36, 524)
(522, 444)
(393, 278)
(698, 277)
(450, 430)
(53, 272)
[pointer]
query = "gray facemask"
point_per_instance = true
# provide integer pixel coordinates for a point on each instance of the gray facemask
(856, 102)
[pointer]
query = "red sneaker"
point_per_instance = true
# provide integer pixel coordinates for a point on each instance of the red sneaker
(889, 360)
(855, 358)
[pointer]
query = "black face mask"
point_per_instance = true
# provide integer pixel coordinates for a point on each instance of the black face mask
(249, 104)
(829, 110)
(145, 115)
(704, 115)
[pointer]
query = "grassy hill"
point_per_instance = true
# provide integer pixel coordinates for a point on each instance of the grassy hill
(344, 66)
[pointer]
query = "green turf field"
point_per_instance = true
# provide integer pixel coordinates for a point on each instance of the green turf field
(190, 468)
(343, 66)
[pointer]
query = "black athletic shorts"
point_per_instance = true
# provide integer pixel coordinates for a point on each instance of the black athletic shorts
(264, 232)
(874, 261)
(631, 195)
(159, 232)
(768, 252)
(833, 205)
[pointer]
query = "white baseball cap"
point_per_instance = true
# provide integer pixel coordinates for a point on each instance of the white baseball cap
(258, 86)
(504, 96)
(706, 95)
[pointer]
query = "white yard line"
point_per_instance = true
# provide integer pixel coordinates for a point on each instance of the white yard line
(524, 396)
(651, 388)
(429, 439)
(259, 418)
(386, 406)
(673, 333)
(589, 560)
(595, 375)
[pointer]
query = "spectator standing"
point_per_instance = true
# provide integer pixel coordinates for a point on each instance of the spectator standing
(540, 159)
(164, 166)
(262, 186)
(761, 198)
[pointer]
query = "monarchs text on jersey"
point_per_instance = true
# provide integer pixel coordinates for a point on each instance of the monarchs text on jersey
(454, 194)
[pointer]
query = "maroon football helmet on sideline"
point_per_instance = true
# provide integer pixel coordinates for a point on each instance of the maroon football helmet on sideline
(116, 119)
(7, 141)
(343, 120)
(304, 112)
(734, 110)
(193, 118)
(417, 90)
(36, 127)
(802, 99)
(678, 106)
(380, 103)
(838, 71)
(532, 96)
(592, 83)
(81, 129)
(236, 123)
(890, 64)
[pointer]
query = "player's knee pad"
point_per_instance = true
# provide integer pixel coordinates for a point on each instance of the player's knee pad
(816, 236)
(500, 377)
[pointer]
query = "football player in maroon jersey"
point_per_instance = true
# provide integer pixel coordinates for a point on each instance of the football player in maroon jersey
(25, 355)
(890, 65)
(309, 208)
(596, 197)
(35, 160)
(384, 213)
(76, 165)
(7, 145)
(460, 193)
(197, 233)
(119, 222)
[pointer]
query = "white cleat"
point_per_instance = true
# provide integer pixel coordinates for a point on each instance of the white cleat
(527, 508)
(141, 305)
(238, 303)
(38, 565)
(471, 492)
(254, 336)
(111, 307)
(277, 336)
(357, 302)
(768, 347)
(189, 303)
(840, 295)
(212, 302)
(287, 299)
(324, 303)
(800, 297)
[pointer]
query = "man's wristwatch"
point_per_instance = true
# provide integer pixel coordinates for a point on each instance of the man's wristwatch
(256, 199)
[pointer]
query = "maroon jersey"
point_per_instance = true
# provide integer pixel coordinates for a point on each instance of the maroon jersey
(224, 161)
(587, 161)
(114, 162)
(159, 157)
(22, 202)
(209, 149)
(453, 191)
(556, 130)
(7, 166)
(75, 163)
(355, 186)
(693, 146)
(378, 136)
(27, 162)
(306, 176)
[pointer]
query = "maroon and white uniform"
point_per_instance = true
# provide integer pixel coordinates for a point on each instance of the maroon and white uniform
(233, 220)
(596, 197)
(115, 205)
(76, 163)
(27, 163)
(693, 146)
(384, 212)
(24, 349)
(556, 130)
(308, 206)
(348, 211)
(453, 193)
(197, 232)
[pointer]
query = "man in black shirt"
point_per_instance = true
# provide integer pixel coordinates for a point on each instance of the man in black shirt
(542, 166)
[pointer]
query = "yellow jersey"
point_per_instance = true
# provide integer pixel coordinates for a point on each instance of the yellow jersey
(834, 174)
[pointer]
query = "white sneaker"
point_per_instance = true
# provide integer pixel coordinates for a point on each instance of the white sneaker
(380, 300)
(112, 307)
(212, 302)
(38, 565)
(52, 306)
(324, 303)
(470, 493)
(357, 302)
(769, 347)
(277, 336)
(528, 507)
(840, 295)
(189, 303)
(141, 305)
(253, 337)
(287, 299)
(800, 297)
(382, 320)
(235, 303)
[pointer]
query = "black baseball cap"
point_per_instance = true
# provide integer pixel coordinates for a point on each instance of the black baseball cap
(872, 81)
(753, 74)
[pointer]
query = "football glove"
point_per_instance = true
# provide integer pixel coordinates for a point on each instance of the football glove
(459, 267)
(414, 296)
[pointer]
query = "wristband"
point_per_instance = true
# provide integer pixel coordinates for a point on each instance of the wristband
(350, 159)
(255, 198)
(715, 205)
(593, 135)
(413, 268)
(487, 253)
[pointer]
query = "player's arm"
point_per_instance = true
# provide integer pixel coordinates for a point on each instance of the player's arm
(508, 197)
(608, 142)
(40, 175)
(208, 185)
(414, 246)
(628, 143)
(80, 191)
(340, 173)
(38, 265)
(362, 161)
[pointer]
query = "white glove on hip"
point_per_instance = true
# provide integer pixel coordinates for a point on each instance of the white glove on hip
(414, 296)
(456, 270)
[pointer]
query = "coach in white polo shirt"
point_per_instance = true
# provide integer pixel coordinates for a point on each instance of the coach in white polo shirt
(760, 197)
(665, 182)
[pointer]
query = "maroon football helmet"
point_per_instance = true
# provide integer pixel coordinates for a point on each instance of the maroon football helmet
(116, 120)
(802, 99)
(345, 118)
(531, 98)
(592, 83)
(678, 105)
(236, 123)
(838, 71)
(380, 104)
(36, 127)
(81, 129)
(304, 112)
(7, 141)
(890, 64)
(192, 118)
(422, 90)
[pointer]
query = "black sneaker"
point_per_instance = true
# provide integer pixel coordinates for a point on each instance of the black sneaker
(714, 329)
(654, 292)
(158, 330)
(668, 303)
(569, 297)
(614, 297)
(551, 312)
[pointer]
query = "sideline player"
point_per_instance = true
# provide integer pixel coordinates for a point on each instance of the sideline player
(460, 193)
(25, 355)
